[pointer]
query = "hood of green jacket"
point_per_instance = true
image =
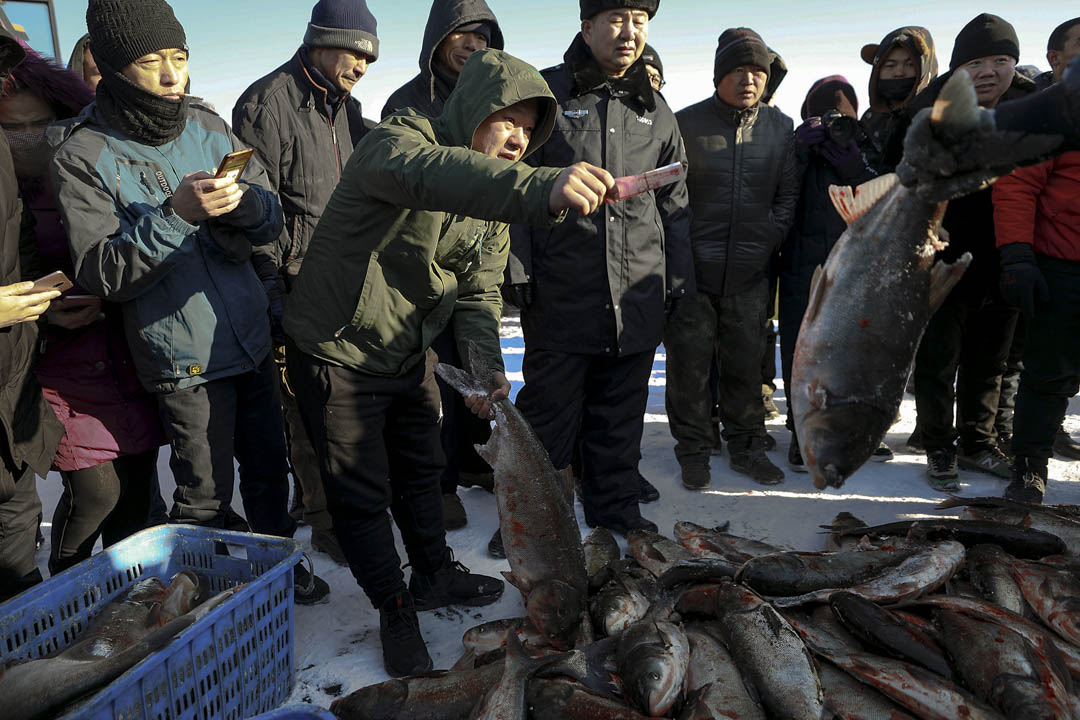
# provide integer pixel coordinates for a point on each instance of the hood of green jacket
(491, 81)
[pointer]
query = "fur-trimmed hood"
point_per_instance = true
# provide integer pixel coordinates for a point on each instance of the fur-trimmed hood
(63, 89)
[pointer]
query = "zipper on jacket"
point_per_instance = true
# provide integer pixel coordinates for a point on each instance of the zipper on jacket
(337, 153)
(146, 184)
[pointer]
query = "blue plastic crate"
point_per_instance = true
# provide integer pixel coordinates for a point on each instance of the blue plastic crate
(297, 712)
(234, 663)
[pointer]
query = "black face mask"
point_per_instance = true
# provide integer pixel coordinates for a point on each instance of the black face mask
(896, 89)
(144, 116)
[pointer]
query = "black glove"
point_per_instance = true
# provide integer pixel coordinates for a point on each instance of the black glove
(1022, 283)
(519, 295)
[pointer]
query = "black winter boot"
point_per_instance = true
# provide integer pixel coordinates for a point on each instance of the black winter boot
(453, 584)
(748, 457)
(403, 648)
(1028, 482)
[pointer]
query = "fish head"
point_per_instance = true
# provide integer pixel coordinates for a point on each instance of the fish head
(555, 608)
(652, 679)
(838, 439)
(385, 700)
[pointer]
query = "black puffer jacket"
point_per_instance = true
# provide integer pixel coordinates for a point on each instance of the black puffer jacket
(743, 186)
(285, 116)
(29, 432)
(601, 281)
(427, 92)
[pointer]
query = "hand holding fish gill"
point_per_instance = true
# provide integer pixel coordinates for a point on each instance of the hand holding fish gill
(484, 405)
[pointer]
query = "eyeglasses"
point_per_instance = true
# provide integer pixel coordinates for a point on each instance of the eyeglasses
(657, 81)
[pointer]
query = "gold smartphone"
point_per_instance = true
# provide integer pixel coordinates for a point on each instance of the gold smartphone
(233, 164)
(53, 281)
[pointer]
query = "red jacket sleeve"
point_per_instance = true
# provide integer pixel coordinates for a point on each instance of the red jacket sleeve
(1015, 200)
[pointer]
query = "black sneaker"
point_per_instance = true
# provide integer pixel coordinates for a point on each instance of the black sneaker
(986, 458)
(308, 588)
(623, 526)
(695, 473)
(453, 584)
(403, 648)
(882, 453)
(914, 442)
(794, 457)
(484, 480)
(1065, 446)
(1028, 481)
(453, 512)
(647, 492)
(768, 442)
(941, 471)
(750, 460)
(495, 546)
(235, 521)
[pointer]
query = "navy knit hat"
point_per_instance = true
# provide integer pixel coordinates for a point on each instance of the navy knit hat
(122, 31)
(740, 46)
(985, 36)
(343, 24)
(589, 8)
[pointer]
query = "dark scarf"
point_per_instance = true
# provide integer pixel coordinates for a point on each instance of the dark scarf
(443, 81)
(588, 75)
(145, 117)
(333, 95)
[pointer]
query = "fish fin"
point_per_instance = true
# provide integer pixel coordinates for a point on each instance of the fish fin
(943, 278)
(853, 204)
(465, 662)
(513, 579)
(957, 105)
(817, 294)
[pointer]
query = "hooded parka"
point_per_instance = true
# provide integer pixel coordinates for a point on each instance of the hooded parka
(743, 187)
(883, 118)
(304, 133)
(601, 282)
(427, 92)
(415, 235)
(29, 431)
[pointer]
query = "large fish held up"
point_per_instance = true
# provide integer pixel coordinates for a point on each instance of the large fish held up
(536, 515)
(871, 301)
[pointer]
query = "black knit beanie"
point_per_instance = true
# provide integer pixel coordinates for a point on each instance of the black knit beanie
(343, 24)
(984, 36)
(740, 46)
(651, 57)
(822, 96)
(122, 31)
(589, 8)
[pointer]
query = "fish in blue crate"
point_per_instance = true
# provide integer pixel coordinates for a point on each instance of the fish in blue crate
(145, 619)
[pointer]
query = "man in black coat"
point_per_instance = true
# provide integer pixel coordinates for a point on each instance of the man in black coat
(29, 432)
(455, 30)
(743, 188)
(302, 121)
(593, 289)
(969, 337)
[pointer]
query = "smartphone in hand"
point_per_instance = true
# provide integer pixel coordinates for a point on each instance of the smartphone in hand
(232, 165)
(53, 281)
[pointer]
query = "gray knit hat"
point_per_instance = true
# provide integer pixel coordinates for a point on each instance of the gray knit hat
(343, 24)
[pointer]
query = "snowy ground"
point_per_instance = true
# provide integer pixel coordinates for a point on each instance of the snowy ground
(336, 644)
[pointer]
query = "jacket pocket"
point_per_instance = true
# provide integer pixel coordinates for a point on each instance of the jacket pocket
(369, 306)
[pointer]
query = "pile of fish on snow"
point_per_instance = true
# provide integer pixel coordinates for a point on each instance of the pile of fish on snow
(973, 618)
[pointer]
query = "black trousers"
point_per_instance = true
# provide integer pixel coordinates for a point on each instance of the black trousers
(731, 328)
(18, 532)
(1010, 380)
(461, 429)
(794, 298)
(598, 403)
(968, 338)
(110, 501)
(1051, 372)
(768, 357)
(210, 424)
(379, 449)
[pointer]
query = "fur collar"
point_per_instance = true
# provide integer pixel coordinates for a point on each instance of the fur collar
(588, 76)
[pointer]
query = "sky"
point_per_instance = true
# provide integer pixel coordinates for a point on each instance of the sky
(234, 42)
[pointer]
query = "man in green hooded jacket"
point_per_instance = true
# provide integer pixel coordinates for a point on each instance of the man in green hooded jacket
(415, 238)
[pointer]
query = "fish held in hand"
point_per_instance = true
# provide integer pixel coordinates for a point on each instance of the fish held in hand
(539, 530)
(872, 299)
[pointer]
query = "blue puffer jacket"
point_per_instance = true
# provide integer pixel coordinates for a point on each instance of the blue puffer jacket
(194, 309)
